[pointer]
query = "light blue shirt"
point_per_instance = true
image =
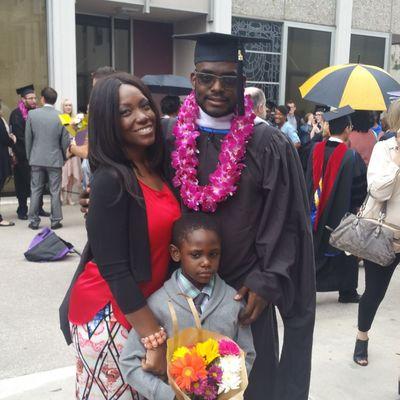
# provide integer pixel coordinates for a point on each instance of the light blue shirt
(291, 133)
(190, 290)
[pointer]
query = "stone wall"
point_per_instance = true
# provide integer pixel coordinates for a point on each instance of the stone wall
(308, 11)
(382, 16)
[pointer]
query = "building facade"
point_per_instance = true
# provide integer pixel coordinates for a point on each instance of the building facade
(61, 42)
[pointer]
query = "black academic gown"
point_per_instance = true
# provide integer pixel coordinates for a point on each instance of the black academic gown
(267, 246)
(336, 271)
(22, 175)
(5, 143)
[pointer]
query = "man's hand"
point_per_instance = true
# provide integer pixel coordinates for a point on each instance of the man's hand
(155, 361)
(255, 305)
(84, 201)
(13, 138)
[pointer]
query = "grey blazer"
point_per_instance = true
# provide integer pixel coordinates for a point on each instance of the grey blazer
(220, 315)
(46, 140)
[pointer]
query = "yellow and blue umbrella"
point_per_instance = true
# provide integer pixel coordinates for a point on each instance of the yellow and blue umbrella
(363, 87)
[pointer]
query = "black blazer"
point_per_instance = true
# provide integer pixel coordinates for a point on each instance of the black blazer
(117, 241)
(5, 143)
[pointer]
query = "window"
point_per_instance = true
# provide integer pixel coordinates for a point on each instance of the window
(122, 45)
(367, 50)
(395, 57)
(93, 50)
(308, 51)
(263, 59)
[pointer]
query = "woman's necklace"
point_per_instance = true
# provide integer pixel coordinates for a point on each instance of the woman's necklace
(223, 181)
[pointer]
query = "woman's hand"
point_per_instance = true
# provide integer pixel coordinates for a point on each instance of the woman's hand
(155, 360)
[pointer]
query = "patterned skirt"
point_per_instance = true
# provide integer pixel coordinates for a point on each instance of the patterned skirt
(98, 345)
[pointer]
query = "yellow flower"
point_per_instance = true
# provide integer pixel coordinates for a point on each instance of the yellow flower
(180, 352)
(208, 350)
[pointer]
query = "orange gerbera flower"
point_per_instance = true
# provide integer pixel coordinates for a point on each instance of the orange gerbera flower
(187, 370)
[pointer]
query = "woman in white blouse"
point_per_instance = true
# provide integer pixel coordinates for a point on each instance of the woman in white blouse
(384, 185)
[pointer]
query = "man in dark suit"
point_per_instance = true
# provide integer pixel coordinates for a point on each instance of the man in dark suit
(46, 141)
(22, 173)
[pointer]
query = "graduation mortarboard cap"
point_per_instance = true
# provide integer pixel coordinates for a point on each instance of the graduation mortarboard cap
(341, 112)
(321, 107)
(217, 47)
(23, 91)
(339, 118)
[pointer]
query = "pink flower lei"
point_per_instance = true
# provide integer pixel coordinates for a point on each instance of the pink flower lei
(224, 180)
(23, 109)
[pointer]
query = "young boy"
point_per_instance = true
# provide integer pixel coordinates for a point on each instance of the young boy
(197, 247)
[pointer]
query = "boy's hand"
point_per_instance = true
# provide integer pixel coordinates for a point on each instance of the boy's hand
(155, 361)
(254, 307)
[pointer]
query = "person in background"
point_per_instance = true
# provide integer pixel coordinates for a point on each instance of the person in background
(100, 73)
(319, 116)
(376, 125)
(46, 142)
(259, 104)
(292, 117)
(281, 113)
(82, 151)
(270, 110)
(362, 138)
(384, 123)
(308, 129)
(336, 179)
(72, 170)
(129, 227)
(384, 186)
(170, 106)
(22, 171)
(7, 140)
(392, 121)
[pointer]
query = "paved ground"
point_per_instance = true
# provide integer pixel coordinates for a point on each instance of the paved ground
(35, 363)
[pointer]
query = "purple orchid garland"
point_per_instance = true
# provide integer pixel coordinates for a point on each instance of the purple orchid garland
(224, 180)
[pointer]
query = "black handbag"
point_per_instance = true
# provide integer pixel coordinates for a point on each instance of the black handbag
(366, 238)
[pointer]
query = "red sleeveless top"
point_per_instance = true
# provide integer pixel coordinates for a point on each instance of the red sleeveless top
(91, 292)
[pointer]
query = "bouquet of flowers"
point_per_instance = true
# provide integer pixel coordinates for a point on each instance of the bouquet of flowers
(204, 365)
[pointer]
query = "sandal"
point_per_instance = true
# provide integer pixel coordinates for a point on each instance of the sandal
(6, 223)
(360, 356)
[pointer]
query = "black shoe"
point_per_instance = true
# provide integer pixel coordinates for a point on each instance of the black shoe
(361, 352)
(43, 213)
(34, 226)
(353, 298)
(24, 217)
(56, 225)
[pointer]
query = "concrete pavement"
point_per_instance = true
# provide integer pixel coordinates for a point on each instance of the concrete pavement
(36, 364)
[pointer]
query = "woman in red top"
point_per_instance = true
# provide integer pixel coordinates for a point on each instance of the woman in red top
(129, 227)
(362, 138)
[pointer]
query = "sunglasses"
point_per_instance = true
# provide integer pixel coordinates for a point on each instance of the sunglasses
(206, 79)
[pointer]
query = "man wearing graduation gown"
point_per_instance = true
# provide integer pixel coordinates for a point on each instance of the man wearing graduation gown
(22, 171)
(337, 183)
(266, 235)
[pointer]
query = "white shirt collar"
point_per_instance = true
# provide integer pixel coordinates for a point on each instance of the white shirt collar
(259, 120)
(207, 121)
(335, 139)
(48, 105)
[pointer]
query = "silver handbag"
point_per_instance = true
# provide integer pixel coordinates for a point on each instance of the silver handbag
(365, 238)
